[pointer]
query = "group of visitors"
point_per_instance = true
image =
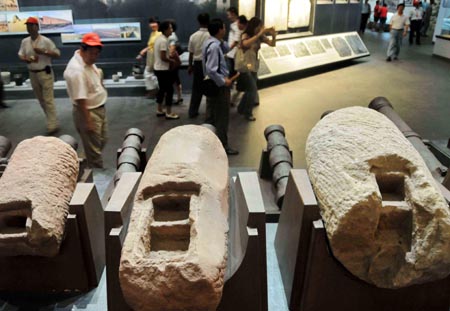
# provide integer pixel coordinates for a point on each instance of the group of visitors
(84, 86)
(210, 57)
(230, 65)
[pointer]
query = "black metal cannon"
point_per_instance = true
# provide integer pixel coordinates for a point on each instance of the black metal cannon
(280, 159)
(382, 105)
(130, 155)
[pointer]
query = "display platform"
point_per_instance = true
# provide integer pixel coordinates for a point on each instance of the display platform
(303, 53)
(246, 273)
(442, 46)
(314, 280)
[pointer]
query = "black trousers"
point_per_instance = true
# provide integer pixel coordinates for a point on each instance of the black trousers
(196, 97)
(364, 19)
(166, 78)
(220, 112)
(415, 30)
(1, 91)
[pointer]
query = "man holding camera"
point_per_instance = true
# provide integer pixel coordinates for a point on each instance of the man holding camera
(37, 51)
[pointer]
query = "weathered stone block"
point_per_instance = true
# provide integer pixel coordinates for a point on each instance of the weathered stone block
(35, 192)
(385, 218)
(175, 251)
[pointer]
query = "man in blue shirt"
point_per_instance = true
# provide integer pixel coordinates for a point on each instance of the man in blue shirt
(215, 67)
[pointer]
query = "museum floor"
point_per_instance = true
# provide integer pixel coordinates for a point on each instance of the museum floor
(417, 85)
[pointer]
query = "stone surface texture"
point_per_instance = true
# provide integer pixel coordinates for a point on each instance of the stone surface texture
(35, 191)
(385, 218)
(174, 255)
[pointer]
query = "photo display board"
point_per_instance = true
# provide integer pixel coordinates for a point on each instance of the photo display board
(303, 53)
(108, 32)
(13, 23)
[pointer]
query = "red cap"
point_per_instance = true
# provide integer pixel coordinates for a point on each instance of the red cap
(91, 39)
(32, 20)
(415, 3)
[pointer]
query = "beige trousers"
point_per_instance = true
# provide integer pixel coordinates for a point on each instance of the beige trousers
(42, 84)
(93, 142)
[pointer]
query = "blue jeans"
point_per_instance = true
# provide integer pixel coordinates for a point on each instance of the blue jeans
(395, 43)
(250, 96)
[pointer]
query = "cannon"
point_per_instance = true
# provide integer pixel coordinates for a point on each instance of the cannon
(130, 156)
(382, 105)
(280, 159)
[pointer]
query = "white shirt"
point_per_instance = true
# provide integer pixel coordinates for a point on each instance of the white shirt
(84, 82)
(399, 21)
(235, 35)
(161, 44)
(365, 8)
(27, 50)
(416, 14)
(196, 41)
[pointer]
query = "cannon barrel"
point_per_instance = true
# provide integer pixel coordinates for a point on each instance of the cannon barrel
(130, 160)
(382, 105)
(5, 146)
(280, 159)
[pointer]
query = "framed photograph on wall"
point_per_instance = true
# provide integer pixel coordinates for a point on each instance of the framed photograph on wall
(55, 21)
(9, 5)
(16, 21)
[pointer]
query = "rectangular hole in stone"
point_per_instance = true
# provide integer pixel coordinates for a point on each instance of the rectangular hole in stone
(170, 238)
(391, 186)
(13, 224)
(171, 207)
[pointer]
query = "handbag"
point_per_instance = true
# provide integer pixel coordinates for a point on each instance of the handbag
(209, 87)
(240, 62)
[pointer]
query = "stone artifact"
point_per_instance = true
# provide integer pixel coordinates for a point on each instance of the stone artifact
(35, 191)
(385, 218)
(174, 255)
(280, 159)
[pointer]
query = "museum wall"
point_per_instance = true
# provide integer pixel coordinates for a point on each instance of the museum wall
(121, 54)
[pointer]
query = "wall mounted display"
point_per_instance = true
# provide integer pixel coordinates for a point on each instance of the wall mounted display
(299, 13)
(16, 21)
(13, 23)
(9, 5)
(302, 53)
(107, 31)
(288, 16)
(341, 1)
(247, 8)
(55, 21)
(276, 14)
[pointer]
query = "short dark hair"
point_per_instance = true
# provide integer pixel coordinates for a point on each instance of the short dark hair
(152, 20)
(174, 24)
(243, 19)
(85, 47)
(164, 26)
(203, 18)
(400, 4)
(214, 26)
(233, 10)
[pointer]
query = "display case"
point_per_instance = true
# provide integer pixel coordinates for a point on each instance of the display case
(303, 53)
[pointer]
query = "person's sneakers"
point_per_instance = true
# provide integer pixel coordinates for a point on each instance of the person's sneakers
(178, 102)
(250, 118)
(231, 151)
(172, 116)
(388, 59)
(3, 105)
(160, 113)
(395, 58)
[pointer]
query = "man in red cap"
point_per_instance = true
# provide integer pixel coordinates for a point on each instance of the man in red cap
(37, 51)
(88, 95)
(415, 16)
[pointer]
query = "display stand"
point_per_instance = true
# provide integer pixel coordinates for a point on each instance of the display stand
(81, 259)
(246, 289)
(314, 280)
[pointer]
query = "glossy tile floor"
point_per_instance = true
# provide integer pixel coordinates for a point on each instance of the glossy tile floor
(417, 85)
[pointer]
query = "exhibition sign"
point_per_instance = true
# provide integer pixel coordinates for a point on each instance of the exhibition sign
(108, 32)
